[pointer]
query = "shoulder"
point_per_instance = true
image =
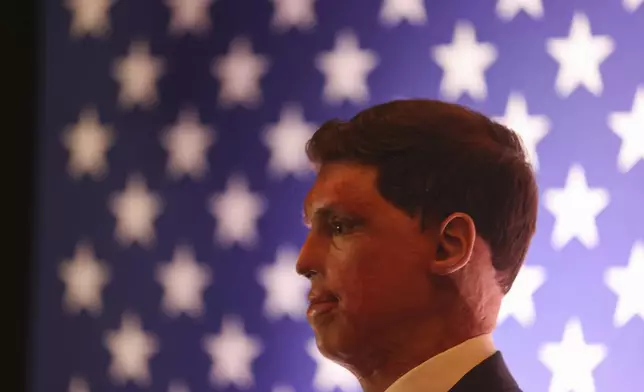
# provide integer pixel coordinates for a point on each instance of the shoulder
(491, 375)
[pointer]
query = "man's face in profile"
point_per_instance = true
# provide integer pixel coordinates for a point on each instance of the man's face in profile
(368, 263)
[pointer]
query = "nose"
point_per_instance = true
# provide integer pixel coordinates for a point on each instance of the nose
(310, 261)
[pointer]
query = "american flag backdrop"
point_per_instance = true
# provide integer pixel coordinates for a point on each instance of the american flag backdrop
(172, 175)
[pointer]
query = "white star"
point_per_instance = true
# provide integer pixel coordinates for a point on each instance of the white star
(346, 68)
(630, 127)
(518, 303)
(239, 73)
(189, 16)
(626, 282)
(88, 141)
(84, 277)
(286, 141)
(531, 128)
(237, 211)
(90, 17)
(293, 14)
(135, 210)
(580, 56)
(508, 9)
(632, 5)
(232, 353)
(393, 12)
(575, 207)
(78, 384)
(137, 74)
(572, 360)
(286, 291)
(131, 349)
(178, 386)
(183, 281)
(187, 142)
(464, 63)
(328, 374)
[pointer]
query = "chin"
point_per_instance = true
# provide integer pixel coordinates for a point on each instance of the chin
(327, 344)
(348, 355)
(336, 345)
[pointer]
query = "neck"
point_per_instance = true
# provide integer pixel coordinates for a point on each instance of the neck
(416, 347)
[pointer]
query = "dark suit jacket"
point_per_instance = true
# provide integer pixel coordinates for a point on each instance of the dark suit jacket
(491, 375)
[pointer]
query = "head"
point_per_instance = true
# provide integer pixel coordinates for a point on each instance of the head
(420, 217)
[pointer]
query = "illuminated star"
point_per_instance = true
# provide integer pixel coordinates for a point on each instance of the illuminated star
(464, 63)
(393, 12)
(580, 55)
(629, 126)
(632, 5)
(572, 360)
(189, 16)
(131, 349)
(286, 141)
(232, 353)
(88, 141)
(346, 68)
(137, 74)
(289, 14)
(508, 9)
(136, 210)
(84, 277)
(89, 17)
(187, 142)
(237, 211)
(239, 73)
(576, 207)
(183, 281)
(626, 282)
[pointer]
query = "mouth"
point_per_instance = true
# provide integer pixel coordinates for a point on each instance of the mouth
(321, 304)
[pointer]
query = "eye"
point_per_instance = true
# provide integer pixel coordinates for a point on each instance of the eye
(341, 226)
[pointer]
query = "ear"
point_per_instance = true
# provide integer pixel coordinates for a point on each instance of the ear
(455, 244)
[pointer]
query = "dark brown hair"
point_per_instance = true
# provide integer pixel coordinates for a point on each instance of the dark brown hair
(435, 158)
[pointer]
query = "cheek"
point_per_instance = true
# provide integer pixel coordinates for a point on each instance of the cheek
(372, 279)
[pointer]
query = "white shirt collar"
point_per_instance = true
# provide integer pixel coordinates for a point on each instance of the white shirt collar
(443, 371)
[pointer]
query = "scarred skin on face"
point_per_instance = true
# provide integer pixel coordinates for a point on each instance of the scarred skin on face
(383, 297)
(368, 255)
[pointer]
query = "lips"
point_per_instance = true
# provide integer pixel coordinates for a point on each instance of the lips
(321, 303)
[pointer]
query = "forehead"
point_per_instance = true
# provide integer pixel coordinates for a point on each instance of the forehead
(342, 183)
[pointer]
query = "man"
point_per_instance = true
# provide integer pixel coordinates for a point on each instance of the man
(420, 218)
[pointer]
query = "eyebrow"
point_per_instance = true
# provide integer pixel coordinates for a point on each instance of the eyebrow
(324, 212)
